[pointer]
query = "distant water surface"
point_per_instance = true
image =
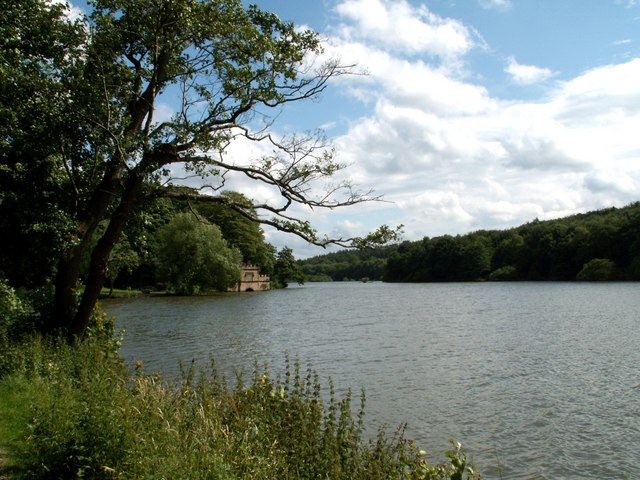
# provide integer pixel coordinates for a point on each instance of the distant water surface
(537, 380)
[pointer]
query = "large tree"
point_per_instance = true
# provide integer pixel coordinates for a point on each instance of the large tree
(192, 256)
(99, 91)
(240, 231)
(287, 269)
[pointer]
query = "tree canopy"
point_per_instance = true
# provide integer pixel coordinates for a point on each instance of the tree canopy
(599, 245)
(101, 111)
(286, 269)
(193, 256)
(240, 231)
(347, 264)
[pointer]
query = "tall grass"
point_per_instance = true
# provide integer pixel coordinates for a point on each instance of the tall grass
(84, 416)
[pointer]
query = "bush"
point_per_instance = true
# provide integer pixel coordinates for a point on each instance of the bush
(598, 269)
(13, 309)
(14, 312)
(505, 273)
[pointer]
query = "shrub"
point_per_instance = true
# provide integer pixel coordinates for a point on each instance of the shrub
(14, 312)
(598, 269)
(505, 273)
(13, 309)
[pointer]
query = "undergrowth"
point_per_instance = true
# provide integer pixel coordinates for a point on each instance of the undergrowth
(81, 414)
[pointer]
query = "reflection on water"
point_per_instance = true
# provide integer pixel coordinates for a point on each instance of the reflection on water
(537, 380)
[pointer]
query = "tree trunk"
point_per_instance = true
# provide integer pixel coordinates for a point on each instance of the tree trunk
(68, 275)
(100, 257)
(66, 282)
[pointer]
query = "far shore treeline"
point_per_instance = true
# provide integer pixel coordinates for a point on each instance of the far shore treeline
(599, 245)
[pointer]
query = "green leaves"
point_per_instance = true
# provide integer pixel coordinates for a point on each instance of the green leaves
(240, 230)
(598, 269)
(193, 257)
(380, 237)
(287, 269)
(600, 245)
(76, 413)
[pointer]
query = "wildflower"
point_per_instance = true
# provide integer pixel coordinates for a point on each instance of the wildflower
(278, 392)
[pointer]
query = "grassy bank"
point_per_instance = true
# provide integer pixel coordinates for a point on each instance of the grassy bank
(13, 421)
(120, 293)
(79, 414)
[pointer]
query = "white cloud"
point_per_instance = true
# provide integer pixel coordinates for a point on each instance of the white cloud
(615, 181)
(452, 168)
(73, 12)
(603, 91)
(445, 203)
(400, 26)
(495, 4)
(453, 158)
(406, 82)
(527, 74)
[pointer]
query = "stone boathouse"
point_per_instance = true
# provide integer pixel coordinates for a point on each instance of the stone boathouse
(251, 280)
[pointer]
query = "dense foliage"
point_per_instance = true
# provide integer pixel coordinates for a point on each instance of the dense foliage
(192, 255)
(200, 232)
(286, 269)
(599, 245)
(240, 231)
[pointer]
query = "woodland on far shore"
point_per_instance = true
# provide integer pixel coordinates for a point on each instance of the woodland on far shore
(598, 245)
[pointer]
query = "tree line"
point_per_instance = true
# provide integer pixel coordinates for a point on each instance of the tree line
(347, 265)
(599, 245)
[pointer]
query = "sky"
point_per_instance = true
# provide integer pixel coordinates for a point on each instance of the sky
(473, 114)
(476, 114)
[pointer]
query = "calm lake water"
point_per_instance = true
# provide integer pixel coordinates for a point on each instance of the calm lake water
(536, 380)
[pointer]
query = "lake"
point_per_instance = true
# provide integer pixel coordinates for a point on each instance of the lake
(536, 380)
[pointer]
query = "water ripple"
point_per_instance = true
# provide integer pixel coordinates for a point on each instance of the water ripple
(537, 380)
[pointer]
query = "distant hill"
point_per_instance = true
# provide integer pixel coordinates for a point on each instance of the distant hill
(347, 265)
(599, 245)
